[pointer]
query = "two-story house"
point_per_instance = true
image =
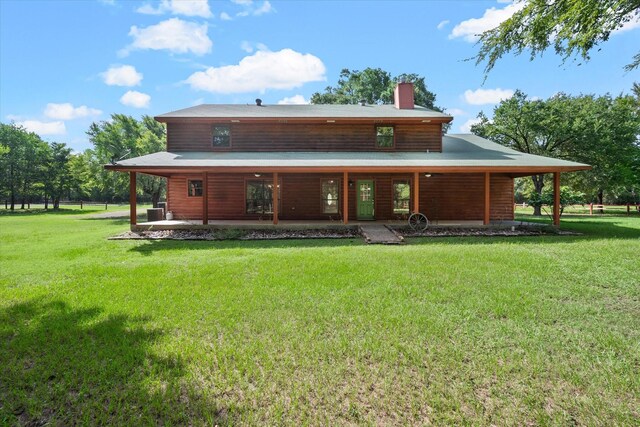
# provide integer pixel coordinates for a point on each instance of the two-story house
(333, 162)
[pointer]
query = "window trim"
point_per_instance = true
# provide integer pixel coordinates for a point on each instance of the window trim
(189, 181)
(393, 194)
(213, 135)
(393, 141)
(338, 199)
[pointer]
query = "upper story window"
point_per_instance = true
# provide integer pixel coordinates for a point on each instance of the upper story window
(194, 188)
(384, 137)
(221, 136)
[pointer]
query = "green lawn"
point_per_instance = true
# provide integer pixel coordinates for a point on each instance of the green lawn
(505, 331)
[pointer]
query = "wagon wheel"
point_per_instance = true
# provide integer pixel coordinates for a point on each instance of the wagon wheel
(418, 222)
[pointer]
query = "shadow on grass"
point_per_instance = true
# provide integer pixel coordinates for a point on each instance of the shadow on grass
(66, 366)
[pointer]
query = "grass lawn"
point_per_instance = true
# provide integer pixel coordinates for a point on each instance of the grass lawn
(506, 331)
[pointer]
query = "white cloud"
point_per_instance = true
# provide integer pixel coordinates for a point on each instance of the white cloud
(178, 7)
(67, 111)
(471, 28)
(123, 75)
(174, 34)
(487, 96)
(246, 46)
(466, 126)
(456, 112)
(443, 24)
(252, 8)
(293, 100)
(285, 69)
(225, 16)
(135, 99)
(44, 128)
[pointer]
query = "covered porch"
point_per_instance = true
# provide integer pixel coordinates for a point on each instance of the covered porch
(344, 206)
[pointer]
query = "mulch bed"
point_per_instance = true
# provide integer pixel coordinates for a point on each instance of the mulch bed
(346, 233)
(236, 234)
(482, 232)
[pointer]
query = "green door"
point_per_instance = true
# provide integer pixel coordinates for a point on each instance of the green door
(366, 199)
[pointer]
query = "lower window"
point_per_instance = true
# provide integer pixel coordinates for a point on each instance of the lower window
(194, 188)
(260, 196)
(401, 197)
(330, 196)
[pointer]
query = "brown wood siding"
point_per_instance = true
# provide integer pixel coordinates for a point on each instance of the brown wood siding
(501, 198)
(442, 197)
(302, 137)
(179, 203)
(461, 197)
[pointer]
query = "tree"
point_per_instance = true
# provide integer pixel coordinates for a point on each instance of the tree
(375, 86)
(59, 179)
(124, 137)
(22, 161)
(572, 27)
(530, 126)
(601, 131)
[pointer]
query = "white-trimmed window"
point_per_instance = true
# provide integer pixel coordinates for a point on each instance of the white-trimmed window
(330, 196)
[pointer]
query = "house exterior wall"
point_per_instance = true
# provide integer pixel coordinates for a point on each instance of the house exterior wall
(197, 136)
(442, 197)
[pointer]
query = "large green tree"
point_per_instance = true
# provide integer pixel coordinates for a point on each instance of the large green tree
(375, 86)
(123, 137)
(601, 131)
(22, 160)
(571, 27)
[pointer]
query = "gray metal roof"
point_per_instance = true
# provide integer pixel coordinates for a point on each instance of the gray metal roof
(463, 150)
(302, 111)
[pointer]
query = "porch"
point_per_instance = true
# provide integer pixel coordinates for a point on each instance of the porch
(308, 224)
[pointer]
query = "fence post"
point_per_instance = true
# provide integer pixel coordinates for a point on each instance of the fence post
(105, 206)
(81, 206)
(590, 208)
(628, 209)
(6, 204)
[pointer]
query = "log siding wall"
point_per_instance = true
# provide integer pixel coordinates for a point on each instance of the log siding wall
(303, 137)
(442, 197)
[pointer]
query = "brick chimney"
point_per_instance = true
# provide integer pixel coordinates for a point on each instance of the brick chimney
(403, 96)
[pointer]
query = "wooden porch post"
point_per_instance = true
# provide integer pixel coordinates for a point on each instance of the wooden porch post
(205, 198)
(416, 192)
(132, 198)
(275, 198)
(345, 198)
(556, 199)
(487, 198)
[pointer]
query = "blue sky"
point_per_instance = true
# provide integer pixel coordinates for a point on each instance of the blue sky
(65, 64)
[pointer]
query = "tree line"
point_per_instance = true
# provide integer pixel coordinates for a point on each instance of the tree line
(35, 171)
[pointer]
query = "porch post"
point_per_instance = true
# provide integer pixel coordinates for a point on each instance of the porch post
(275, 198)
(205, 198)
(345, 198)
(416, 192)
(132, 198)
(556, 199)
(487, 198)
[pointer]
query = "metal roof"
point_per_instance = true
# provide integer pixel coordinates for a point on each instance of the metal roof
(462, 150)
(312, 111)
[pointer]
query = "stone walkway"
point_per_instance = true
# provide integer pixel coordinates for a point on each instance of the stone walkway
(379, 234)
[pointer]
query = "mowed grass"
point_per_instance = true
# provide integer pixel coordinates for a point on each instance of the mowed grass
(478, 331)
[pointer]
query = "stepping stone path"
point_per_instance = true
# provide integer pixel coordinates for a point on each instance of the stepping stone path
(379, 234)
